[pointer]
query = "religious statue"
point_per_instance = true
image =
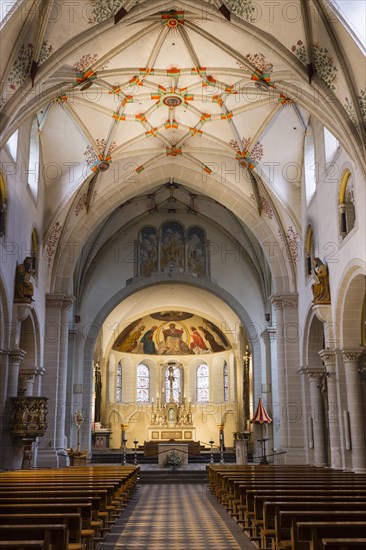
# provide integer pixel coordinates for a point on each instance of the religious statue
(98, 393)
(23, 287)
(320, 288)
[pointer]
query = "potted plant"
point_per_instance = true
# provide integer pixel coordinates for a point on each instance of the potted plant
(172, 460)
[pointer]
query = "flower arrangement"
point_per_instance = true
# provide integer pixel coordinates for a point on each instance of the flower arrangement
(172, 460)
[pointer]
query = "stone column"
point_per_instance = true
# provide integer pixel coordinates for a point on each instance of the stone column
(351, 360)
(329, 359)
(62, 382)
(16, 357)
(289, 382)
(281, 369)
(54, 384)
(315, 380)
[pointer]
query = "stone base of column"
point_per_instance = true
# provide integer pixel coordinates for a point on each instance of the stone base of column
(52, 458)
(336, 458)
(359, 470)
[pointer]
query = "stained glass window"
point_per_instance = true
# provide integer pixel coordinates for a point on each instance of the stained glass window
(176, 384)
(226, 382)
(202, 378)
(143, 383)
(119, 383)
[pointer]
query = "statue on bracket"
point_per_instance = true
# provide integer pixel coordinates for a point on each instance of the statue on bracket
(320, 288)
(24, 289)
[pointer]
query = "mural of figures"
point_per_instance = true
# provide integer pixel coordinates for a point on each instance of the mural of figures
(146, 344)
(128, 339)
(148, 251)
(195, 251)
(167, 333)
(173, 341)
(172, 246)
(214, 345)
(197, 345)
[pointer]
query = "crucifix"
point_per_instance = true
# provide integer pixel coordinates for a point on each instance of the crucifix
(171, 379)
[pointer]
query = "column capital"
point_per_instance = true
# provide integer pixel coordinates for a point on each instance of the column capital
(328, 356)
(16, 356)
(59, 301)
(284, 300)
(313, 373)
(352, 355)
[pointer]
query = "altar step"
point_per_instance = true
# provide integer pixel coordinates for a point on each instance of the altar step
(169, 476)
(116, 457)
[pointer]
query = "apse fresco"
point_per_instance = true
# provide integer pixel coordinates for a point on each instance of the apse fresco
(171, 333)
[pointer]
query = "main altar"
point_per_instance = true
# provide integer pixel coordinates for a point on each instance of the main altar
(171, 418)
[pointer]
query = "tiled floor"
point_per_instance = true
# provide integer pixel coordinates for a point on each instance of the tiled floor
(175, 517)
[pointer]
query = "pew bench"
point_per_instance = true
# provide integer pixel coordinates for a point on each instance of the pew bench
(53, 535)
(343, 543)
(313, 532)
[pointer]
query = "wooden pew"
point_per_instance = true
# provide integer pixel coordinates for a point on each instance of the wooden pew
(72, 522)
(22, 544)
(54, 536)
(313, 532)
(343, 543)
(287, 522)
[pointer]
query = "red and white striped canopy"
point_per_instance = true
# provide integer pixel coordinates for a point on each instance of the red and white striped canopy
(261, 416)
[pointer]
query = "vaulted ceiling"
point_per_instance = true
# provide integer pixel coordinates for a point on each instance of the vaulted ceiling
(225, 90)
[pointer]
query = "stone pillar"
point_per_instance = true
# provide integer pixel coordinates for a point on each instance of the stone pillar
(315, 380)
(51, 451)
(281, 368)
(289, 382)
(328, 357)
(351, 360)
(16, 357)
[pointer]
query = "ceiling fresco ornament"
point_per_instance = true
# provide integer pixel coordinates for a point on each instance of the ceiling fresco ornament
(23, 62)
(103, 9)
(351, 110)
(169, 333)
(243, 8)
(172, 19)
(102, 160)
(264, 205)
(248, 158)
(293, 244)
(52, 240)
(323, 63)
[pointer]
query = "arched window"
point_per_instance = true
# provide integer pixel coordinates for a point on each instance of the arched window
(309, 165)
(119, 383)
(3, 208)
(12, 145)
(331, 145)
(347, 213)
(203, 383)
(309, 250)
(177, 383)
(143, 383)
(226, 382)
(33, 161)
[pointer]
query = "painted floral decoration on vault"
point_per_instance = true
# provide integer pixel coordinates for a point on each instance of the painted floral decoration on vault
(351, 110)
(103, 9)
(243, 8)
(22, 64)
(323, 63)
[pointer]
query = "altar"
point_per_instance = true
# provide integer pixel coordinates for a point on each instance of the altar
(166, 448)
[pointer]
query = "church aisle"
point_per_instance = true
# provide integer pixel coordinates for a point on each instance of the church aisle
(175, 517)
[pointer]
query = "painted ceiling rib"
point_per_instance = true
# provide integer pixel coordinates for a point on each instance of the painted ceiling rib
(45, 10)
(309, 37)
(124, 45)
(157, 47)
(345, 64)
(189, 47)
